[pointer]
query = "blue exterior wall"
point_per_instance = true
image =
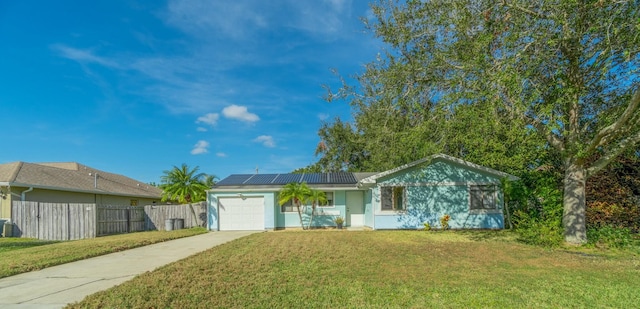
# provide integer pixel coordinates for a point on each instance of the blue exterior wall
(433, 190)
(368, 209)
(324, 215)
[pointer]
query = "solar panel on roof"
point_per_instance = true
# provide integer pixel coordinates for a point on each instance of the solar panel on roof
(312, 178)
(260, 179)
(287, 178)
(342, 178)
(236, 179)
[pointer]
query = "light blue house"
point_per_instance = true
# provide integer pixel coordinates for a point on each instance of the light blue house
(402, 198)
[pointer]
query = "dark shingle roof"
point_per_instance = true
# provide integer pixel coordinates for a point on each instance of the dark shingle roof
(71, 176)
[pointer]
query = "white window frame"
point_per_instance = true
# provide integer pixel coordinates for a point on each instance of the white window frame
(333, 200)
(288, 204)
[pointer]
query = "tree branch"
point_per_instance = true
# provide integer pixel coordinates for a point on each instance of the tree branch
(610, 155)
(602, 137)
(524, 10)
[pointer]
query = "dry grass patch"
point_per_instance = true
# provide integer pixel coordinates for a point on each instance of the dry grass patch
(19, 255)
(390, 269)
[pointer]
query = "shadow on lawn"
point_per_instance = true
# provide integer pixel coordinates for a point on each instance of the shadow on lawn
(488, 235)
(9, 244)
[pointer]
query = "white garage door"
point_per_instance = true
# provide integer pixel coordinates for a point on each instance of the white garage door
(241, 214)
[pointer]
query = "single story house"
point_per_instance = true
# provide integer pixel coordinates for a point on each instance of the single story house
(401, 198)
(69, 182)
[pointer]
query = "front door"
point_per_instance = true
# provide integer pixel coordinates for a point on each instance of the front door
(355, 208)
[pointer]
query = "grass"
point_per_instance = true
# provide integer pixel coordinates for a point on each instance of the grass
(19, 255)
(382, 269)
(11, 244)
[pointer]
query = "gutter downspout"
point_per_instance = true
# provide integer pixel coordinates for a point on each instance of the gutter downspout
(22, 196)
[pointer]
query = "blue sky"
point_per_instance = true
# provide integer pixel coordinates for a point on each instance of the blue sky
(136, 87)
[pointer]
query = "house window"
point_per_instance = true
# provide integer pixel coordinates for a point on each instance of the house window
(482, 197)
(393, 198)
(134, 203)
(288, 207)
(329, 203)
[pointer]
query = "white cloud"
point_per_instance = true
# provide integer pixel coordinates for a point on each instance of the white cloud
(201, 129)
(83, 56)
(210, 119)
(221, 154)
(323, 116)
(266, 140)
(240, 113)
(200, 148)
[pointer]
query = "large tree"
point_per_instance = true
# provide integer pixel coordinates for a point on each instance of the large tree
(185, 185)
(568, 70)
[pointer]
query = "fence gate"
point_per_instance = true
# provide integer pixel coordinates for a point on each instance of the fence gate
(53, 221)
(120, 219)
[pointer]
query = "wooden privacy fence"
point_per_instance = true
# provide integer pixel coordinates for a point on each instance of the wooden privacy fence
(69, 221)
(194, 214)
(53, 221)
(120, 219)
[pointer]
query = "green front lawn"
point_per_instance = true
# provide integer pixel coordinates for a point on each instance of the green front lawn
(389, 269)
(19, 255)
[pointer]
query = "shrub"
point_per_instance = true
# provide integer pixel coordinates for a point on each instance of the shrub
(611, 237)
(444, 221)
(536, 207)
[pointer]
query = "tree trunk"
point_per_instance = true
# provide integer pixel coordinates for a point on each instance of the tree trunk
(574, 218)
(313, 212)
(300, 215)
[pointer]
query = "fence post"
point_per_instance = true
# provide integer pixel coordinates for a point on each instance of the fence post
(68, 222)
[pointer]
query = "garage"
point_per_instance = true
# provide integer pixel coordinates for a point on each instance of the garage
(241, 214)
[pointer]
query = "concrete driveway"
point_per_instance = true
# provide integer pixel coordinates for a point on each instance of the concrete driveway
(57, 286)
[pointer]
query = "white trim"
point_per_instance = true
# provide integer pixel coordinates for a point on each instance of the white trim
(372, 179)
(433, 184)
(277, 189)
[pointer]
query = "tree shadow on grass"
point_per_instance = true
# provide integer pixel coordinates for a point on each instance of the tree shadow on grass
(489, 235)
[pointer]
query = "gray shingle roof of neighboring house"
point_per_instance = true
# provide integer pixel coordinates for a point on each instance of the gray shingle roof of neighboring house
(72, 176)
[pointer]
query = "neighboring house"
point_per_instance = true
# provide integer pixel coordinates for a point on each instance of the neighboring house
(402, 198)
(69, 182)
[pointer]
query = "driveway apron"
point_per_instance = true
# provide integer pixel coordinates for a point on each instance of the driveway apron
(57, 286)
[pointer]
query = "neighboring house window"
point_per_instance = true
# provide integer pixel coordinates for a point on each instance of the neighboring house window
(482, 197)
(329, 196)
(393, 198)
(134, 202)
(288, 207)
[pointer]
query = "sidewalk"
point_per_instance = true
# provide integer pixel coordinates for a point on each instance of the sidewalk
(57, 286)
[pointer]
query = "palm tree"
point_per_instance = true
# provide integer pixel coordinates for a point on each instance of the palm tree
(316, 197)
(210, 180)
(183, 185)
(297, 193)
